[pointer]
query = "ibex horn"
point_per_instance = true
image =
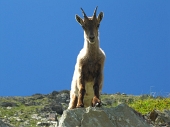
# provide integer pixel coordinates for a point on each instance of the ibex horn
(84, 14)
(94, 15)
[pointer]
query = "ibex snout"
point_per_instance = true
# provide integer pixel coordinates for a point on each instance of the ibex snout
(92, 39)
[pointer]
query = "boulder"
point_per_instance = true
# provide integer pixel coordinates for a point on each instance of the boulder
(53, 107)
(8, 104)
(120, 116)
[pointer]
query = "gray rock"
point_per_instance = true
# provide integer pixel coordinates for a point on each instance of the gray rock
(53, 107)
(120, 116)
(37, 96)
(47, 124)
(8, 104)
(2, 124)
(94, 119)
(52, 117)
(61, 98)
(163, 117)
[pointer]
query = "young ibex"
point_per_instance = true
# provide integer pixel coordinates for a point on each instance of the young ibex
(88, 74)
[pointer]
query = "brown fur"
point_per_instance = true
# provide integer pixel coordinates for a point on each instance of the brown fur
(90, 71)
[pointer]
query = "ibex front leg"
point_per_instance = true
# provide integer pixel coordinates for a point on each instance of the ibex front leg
(82, 92)
(96, 101)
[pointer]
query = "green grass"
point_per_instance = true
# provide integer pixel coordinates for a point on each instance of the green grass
(21, 112)
(17, 115)
(147, 105)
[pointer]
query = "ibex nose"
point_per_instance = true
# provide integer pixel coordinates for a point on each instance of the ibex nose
(91, 37)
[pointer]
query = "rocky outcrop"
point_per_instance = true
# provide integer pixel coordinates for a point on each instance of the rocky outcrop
(120, 116)
(2, 124)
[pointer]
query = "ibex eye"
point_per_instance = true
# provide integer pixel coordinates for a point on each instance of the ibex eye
(83, 27)
(98, 25)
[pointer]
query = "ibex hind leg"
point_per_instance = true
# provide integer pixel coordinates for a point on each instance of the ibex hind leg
(73, 102)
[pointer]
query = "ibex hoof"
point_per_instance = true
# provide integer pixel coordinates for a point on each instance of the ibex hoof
(80, 106)
(96, 102)
(98, 105)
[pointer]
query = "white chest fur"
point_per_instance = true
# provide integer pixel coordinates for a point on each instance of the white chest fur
(89, 94)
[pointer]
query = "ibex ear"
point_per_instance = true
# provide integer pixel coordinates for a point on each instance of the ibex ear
(79, 20)
(100, 17)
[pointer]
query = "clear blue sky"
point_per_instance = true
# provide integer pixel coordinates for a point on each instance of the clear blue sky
(40, 40)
